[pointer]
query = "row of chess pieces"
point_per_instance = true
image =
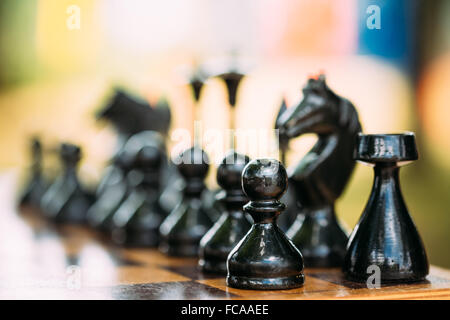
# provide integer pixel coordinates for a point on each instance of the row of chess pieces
(145, 200)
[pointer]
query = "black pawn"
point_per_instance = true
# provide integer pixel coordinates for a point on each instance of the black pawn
(386, 236)
(113, 192)
(184, 227)
(36, 186)
(265, 259)
(66, 201)
(132, 175)
(232, 225)
(136, 223)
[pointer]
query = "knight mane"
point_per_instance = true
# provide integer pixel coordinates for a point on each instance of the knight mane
(348, 116)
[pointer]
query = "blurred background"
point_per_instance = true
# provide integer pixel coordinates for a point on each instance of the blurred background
(59, 60)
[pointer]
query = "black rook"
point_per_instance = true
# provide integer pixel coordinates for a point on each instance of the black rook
(386, 236)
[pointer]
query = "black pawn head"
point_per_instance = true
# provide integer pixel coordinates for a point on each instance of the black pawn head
(123, 160)
(193, 165)
(230, 170)
(386, 148)
(149, 157)
(264, 179)
(149, 160)
(70, 154)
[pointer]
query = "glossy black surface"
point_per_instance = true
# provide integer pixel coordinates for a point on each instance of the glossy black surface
(290, 214)
(136, 222)
(188, 222)
(320, 177)
(232, 225)
(265, 259)
(232, 80)
(129, 115)
(113, 191)
(36, 185)
(132, 176)
(66, 201)
(386, 236)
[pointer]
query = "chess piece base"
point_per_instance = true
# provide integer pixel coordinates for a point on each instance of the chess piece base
(240, 282)
(393, 277)
(320, 238)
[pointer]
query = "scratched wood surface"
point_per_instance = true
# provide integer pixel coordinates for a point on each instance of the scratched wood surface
(40, 261)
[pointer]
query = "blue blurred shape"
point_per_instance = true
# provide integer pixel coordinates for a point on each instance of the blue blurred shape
(387, 28)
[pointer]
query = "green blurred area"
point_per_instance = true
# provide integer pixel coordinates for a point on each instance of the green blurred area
(18, 61)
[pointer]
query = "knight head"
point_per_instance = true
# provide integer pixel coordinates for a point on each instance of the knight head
(321, 111)
(130, 114)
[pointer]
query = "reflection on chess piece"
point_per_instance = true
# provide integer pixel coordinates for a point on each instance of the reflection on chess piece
(66, 201)
(36, 186)
(233, 224)
(136, 222)
(182, 230)
(321, 176)
(386, 236)
(265, 259)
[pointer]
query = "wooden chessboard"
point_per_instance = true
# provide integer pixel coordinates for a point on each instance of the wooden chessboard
(39, 261)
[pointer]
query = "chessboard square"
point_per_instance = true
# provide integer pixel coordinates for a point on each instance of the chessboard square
(337, 277)
(132, 275)
(128, 275)
(192, 271)
(178, 290)
(154, 257)
(311, 289)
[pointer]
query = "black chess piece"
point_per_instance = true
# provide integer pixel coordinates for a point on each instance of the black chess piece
(173, 189)
(137, 221)
(282, 139)
(184, 227)
(113, 193)
(132, 173)
(36, 185)
(265, 259)
(232, 80)
(385, 235)
(232, 225)
(66, 201)
(292, 211)
(130, 115)
(321, 176)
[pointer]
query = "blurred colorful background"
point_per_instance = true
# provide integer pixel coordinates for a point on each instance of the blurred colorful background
(59, 60)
